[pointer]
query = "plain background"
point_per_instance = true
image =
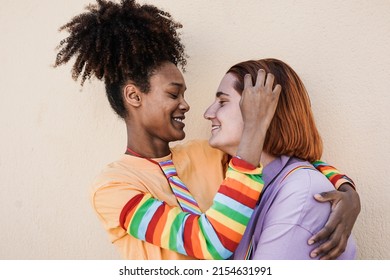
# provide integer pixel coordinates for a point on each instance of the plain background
(56, 136)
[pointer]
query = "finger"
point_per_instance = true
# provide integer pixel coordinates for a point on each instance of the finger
(336, 251)
(326, 196)
(260, 78)
(327, 230)
(333, 247)
(248, 81)
(333, 254)
(323, 234)
(269, 83)
(277, 90)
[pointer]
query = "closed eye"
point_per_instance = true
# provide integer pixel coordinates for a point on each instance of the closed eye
(222, 103)
(173, 95)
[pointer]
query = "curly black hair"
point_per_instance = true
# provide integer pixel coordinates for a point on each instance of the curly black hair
(120, 42)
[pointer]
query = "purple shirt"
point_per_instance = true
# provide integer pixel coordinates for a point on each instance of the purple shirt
(287, 214)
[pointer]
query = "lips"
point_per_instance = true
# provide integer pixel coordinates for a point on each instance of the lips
(179, 120)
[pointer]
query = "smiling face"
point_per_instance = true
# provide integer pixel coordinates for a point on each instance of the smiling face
(163, 107)
(225, 116)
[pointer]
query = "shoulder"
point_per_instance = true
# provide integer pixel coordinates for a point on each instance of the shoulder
(305, 180)
(124, 169)
(116, 183)
(294, 202)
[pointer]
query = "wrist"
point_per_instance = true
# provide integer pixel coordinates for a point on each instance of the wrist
(345, 187)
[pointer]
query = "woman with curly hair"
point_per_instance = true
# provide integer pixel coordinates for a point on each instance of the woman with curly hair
(158, 202)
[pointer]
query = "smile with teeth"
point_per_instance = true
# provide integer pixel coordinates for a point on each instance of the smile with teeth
(178, 119)
(214, 127)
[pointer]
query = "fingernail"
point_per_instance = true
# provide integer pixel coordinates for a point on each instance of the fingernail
(311, 242)
(313, 255)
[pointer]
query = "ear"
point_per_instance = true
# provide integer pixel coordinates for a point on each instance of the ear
(132, 95)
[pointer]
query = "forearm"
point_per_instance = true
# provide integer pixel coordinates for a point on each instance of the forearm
(334, 176)
(212, 235)
(251, 144)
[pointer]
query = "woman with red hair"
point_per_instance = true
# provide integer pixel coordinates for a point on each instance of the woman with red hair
(287, 214)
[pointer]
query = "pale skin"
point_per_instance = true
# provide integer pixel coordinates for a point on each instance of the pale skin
(155, 119)
(227, 123)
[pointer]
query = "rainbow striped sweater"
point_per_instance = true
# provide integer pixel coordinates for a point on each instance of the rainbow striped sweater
(333, 175)
(214, 234)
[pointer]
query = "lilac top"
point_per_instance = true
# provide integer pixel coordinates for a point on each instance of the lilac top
(287, 214)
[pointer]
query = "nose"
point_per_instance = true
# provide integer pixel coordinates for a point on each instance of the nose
(184, 105)
(210, 112)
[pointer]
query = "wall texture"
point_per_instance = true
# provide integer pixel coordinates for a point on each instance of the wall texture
(56, 136)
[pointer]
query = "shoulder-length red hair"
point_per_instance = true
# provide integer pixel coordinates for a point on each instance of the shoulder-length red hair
(292, 131)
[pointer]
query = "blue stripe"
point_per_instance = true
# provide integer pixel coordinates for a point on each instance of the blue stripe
(180, 237)
(234, 204)
(187, 196)
(190, 210)
(147, 218)
(179, 183)
(212, 237)
(165, 163)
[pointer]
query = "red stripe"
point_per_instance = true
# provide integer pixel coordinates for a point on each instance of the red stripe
(225, 240)
(237, 162)
(153, 223)
(187, 235)
(237, 195)
(127, 209)
(228, 243)
(334, 178)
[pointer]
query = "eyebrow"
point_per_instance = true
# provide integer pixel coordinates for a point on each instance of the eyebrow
(219, 93)
(179, 85)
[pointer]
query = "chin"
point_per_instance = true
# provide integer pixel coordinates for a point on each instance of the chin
(216, 145)
(179, 137)
(224, 147)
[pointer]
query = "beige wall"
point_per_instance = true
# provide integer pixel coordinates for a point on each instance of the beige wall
(56, 137)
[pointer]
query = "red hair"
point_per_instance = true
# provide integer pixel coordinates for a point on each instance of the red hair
(292, 131)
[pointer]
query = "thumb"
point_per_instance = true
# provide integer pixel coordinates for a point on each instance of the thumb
(324, 196)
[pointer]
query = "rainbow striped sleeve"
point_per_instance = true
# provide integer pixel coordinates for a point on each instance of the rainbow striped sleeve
(333, 175)
(214, 234)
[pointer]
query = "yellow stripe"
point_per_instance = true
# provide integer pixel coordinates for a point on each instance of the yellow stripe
(166, 231)
(203, 247)
(180, 190)
(247, 181)
(189, 205)
(233, 225)
(143, 200)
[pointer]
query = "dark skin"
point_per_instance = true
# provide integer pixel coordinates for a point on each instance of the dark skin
(345, 202)
(333, 237)
(345, 210)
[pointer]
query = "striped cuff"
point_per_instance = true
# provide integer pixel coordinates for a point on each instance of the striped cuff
(243, 166)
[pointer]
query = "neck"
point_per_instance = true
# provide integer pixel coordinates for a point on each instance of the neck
(144, 145)
(266, 159)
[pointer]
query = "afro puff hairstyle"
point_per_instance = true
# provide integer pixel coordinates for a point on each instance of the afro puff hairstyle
(120, 42)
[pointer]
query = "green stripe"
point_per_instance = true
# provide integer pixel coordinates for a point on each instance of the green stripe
(256, 178)
(177, 222)
(138, 216)
(330, 174)
(210, 248)
(231, 213)
(318, 162)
